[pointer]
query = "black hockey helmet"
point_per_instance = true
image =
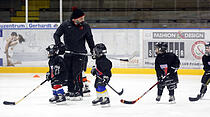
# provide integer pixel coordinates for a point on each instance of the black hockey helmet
(52, 50)
(207, 49)
(161, 46)
(99, 50)
(207, 44)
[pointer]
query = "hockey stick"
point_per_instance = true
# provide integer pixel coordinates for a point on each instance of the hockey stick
(119, 93)
(75, 53)
(14, 103)
(133, 102)
(70, 52)
(192, 99)
(126, 60)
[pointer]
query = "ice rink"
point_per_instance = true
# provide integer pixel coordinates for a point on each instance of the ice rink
(13, 87)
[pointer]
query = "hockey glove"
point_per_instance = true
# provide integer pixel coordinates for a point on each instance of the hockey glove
(160, 80)
(207, 73)
(61, 48)
(167, 76)
(105, 80)
(172, 71)
(48, 78)
(93, 71)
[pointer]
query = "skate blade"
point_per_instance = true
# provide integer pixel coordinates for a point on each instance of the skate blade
(105, 106)
(68, 98)
(86, 94)
(61, 103)
(77, 98)
(95, 104)
(172, 102)
(54, 102)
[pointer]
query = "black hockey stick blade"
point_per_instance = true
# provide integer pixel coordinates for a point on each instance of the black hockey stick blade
(121, 92)
(8, 103)
(126, 60)
(127, 102)
(192, 99)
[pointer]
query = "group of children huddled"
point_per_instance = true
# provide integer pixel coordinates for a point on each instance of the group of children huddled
(166, 66)
(57, 75)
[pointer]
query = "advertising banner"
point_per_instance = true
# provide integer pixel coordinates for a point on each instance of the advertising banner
(187, 44)
(23, 45)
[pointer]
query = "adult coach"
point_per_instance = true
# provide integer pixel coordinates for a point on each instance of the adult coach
(75, 33)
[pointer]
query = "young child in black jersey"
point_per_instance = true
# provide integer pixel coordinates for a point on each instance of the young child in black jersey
(102, 70)
(56, 74)
(166, 66)
(206, 67)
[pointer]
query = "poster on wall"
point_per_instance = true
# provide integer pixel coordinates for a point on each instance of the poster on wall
(187, 44)
(24, 45)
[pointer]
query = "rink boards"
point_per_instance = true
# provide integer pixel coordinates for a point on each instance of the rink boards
(114, 70)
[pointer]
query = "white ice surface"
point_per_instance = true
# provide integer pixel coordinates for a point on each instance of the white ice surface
(13, 87)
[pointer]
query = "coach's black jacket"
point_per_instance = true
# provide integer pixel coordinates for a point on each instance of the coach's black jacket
(74, 36)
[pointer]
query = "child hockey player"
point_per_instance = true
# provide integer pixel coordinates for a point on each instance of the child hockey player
(103, 74)
(56, 74)
(206, 76)
(166, 66)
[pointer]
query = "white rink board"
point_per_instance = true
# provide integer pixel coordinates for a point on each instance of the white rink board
(188, 44)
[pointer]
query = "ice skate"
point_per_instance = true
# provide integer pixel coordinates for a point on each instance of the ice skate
(105, 102)
(86, 91)
(69, 95)
(61, 100)
(77, 97)
(172, 99)
(97, 100)
(53, 99)
(158, 98)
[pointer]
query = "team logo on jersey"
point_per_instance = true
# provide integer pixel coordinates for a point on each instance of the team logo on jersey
(164, 67)
(198, 49)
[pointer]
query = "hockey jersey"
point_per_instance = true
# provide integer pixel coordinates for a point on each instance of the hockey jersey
(167, 63)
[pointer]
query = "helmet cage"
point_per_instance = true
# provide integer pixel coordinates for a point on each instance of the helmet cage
(99, 50)
(207, 49)
(161, 46)
(52, 50)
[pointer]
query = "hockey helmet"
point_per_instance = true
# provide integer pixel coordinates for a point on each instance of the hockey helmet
(99, 50)
(207, 49)
(161, 47)
(52, 50)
